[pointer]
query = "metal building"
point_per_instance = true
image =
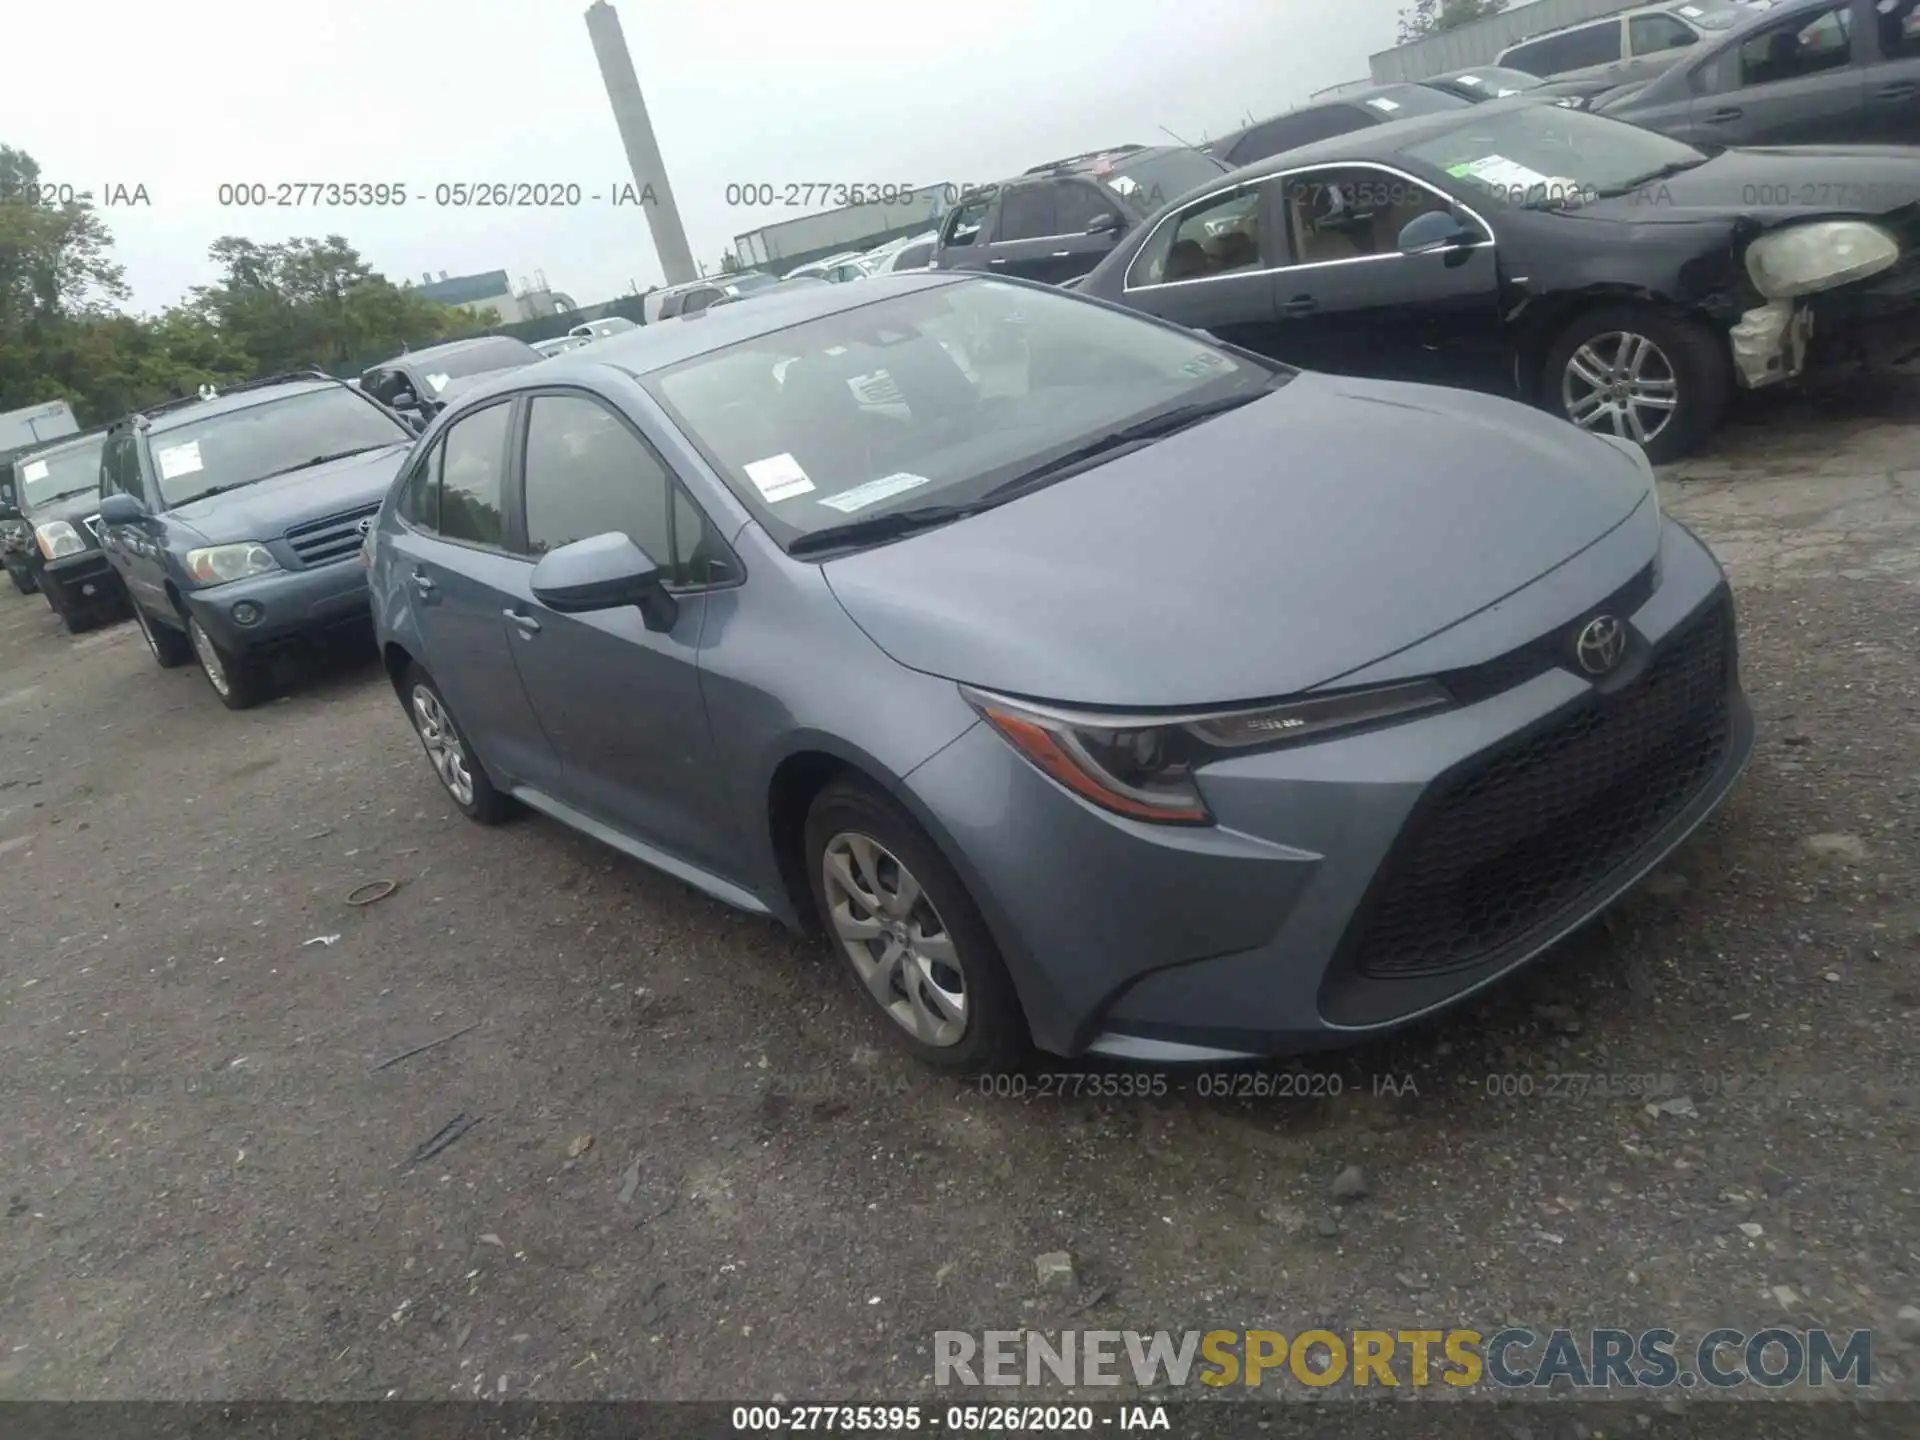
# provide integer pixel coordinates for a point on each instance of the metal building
(1482, 41)
(780, 247)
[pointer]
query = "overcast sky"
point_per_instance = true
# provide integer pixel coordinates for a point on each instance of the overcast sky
(182, 96)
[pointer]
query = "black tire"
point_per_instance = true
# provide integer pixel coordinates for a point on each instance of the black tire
(485, 804)
(76, 621)
(23, 580)
(240, 684)
(994, 1034)
(170, 648)
(1697, 359)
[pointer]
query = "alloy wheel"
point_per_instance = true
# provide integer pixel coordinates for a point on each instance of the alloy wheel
(210, 661)
(442, 744)
(900, 947)
(1623, 382)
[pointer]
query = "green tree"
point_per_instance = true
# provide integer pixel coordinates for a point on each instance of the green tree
(1434, 17)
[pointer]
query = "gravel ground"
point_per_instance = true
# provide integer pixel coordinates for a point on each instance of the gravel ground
(692, 1167)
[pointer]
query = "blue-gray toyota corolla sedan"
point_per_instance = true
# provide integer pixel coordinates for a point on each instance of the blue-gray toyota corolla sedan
(1086, 681)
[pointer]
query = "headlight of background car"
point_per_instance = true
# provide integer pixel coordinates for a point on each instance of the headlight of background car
(57, 538)
(218, 564)
(1142, 766)
(1818, 256)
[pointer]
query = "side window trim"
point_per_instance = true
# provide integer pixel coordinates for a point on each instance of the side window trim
(675, 482)
(1265, 188)
(1463, 206)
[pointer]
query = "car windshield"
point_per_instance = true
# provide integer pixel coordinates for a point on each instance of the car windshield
(748, 280)
(1546, 156)
(497, 353)
(1713, 14)
(1404, 102)
(1493, 82)
(52, 474)
(1150, 181)
(238, 447)
(933, 397)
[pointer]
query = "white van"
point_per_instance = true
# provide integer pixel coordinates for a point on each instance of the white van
(1628, 46)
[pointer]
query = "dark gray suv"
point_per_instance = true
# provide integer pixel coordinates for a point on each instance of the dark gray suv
(236, 520)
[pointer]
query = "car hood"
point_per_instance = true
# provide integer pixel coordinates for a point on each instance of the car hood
(71, 508)
(1774, 186)
(267, 509)
(1259, 554)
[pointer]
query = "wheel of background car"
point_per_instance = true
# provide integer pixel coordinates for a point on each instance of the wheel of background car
(239, 685)
(1659, 380)
(448, 751)
(170, 648)
(891, 904)
(22, 580)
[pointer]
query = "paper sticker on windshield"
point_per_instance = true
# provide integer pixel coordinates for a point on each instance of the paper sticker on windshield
(33, 470)
(438, 381)
(1500, 174)
(1692, 12)
(779, 477)
(178, 460)
(1202, 365)
(1473, 80)
(1123, 184)
(1380, 102)
(873, 492)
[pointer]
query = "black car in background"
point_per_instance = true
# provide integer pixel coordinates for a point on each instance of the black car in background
(1057, 221)
(1804, 73)
(58, 490)
(236, 520)
(419, 383)
(1623, 279)
(1324, 119)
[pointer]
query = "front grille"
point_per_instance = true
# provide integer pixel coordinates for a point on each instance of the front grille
(338, 537)
(1527, 832)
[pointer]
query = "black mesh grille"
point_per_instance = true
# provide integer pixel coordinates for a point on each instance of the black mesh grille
(321, 542)
(1521, 837)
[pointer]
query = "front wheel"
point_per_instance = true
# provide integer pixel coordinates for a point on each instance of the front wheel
(893, 906)
(1659, 380)
(239, 685)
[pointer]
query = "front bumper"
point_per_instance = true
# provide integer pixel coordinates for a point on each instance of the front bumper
(288, 605)
(1875, 324)
(1356, 885)
(81, 583)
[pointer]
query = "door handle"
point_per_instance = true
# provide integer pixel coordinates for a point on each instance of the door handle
(1724, 114)
(422, 583)
(1897, 90)
(1061, 254)
(526, 622)
(1300, 305)
(997, 260)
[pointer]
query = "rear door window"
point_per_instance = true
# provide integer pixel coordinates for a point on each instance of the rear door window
(1215, 236)
(1649, 34)
(472, 470)
(1077, 204)
(1027, 212)
(1591, 45)
(1787, 50)
(1899, 29)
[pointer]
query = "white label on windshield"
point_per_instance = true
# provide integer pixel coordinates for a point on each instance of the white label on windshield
(33, 470)
(1205, 363)
(1692, 12)
(779, 477)
(1473, 80)
(438, 381)
(1123, 184)
(874, 491)
(1502, 174)
(1380, 102)
(836, 350)
(178, 460)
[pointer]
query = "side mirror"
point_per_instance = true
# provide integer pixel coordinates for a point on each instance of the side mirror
(121, 509)
(1435, 230)
(405, 400)
(603, 572)
(1105, 223)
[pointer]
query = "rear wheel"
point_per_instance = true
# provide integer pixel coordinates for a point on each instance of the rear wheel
(449, 752)
(239, 684)
(170, 648)
(1659, 380)
(894, 907)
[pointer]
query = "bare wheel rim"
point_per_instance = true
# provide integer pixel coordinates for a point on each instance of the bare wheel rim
(1623, 383)
(210, 662)
(146, 631)
(442, 744)
(900, 947)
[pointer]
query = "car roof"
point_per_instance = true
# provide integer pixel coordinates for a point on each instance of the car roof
(450, 347)
(658, 347)
(240, 398)
(1351, 100)
(56, 447)
(1663, 7)
(1376, 142)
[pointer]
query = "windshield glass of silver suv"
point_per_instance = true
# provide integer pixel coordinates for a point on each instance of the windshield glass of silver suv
(66, 472)
(238, 447)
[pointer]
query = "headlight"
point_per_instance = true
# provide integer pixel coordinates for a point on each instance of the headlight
(1142, 765)
(1818, 256)
(57, 538)
(218, 564)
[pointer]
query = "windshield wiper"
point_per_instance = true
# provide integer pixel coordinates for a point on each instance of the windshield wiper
(64, 494)
(880, 527)
(324, 459)
(1665, 172)
(1140, 433)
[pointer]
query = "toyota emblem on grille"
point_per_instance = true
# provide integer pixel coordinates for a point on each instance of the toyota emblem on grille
(366, 524)
(1601, 644)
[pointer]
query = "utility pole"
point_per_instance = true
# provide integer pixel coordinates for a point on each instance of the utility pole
(636, 134)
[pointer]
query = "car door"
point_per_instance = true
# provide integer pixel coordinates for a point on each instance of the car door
(134, 549)
(1351, 301)
(964, 234)
(1796, 81)
(455, 556)
(1025, 232)
(622, 702)
(1891, 99)
(1080, 205)
(1214, 265)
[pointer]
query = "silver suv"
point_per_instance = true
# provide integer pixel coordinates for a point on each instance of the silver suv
(1628, 46)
